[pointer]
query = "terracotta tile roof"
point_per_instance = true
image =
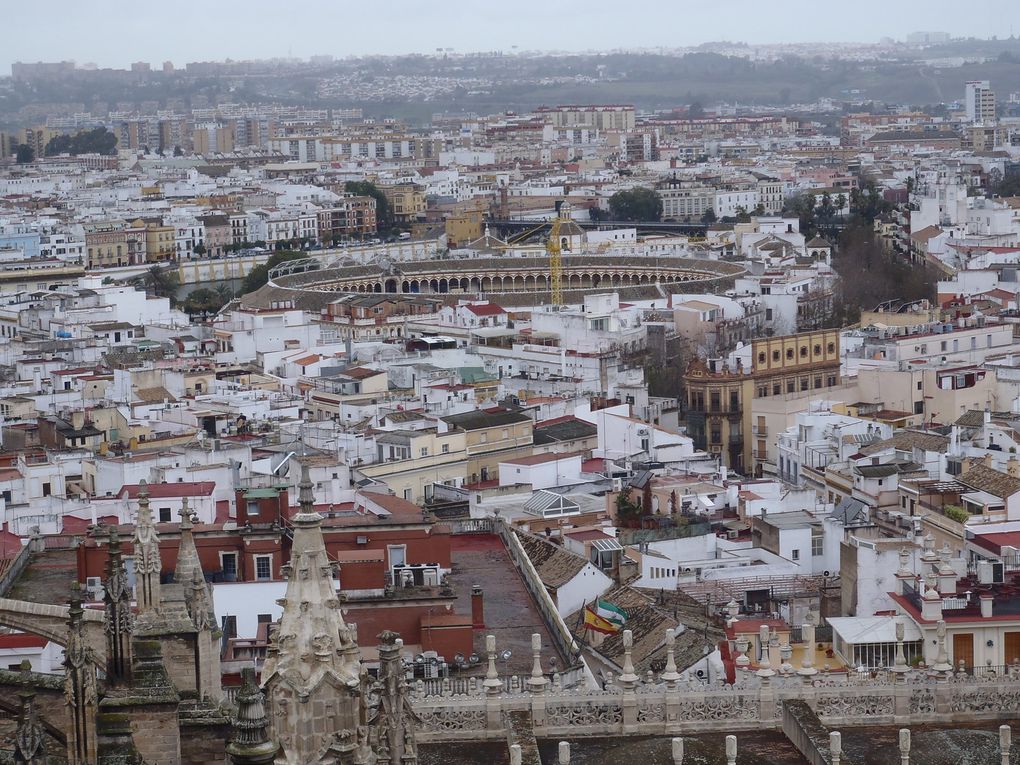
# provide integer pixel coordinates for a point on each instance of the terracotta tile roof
(555, 566)
(990, 480)
(905, 440)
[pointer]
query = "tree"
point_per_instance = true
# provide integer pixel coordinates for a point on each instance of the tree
(803, 206)
(639, 204)
(628, 512)
(199, 249)
(159, 281)
(205, 301)
(96, 141)
(709, 217)
(178, 151)
(383, 213)
(23, 154)
(743, 216)
(259, 276)
(759, 210)
(696, 110)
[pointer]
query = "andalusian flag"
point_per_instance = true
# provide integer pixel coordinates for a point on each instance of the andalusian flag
(602, 616)
(592, 621)
(611, 613)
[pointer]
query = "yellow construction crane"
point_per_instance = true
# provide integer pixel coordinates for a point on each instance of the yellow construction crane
(552, 246)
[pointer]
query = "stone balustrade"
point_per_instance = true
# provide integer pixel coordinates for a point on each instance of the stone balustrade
(667, 706)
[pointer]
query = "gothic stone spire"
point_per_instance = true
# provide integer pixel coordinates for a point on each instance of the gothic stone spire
(80, 688)
(189, 574)
(314, 662)
(148, 565)
(119, 619)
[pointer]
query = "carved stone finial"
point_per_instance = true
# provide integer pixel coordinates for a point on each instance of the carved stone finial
(29, 742)
(250, 744)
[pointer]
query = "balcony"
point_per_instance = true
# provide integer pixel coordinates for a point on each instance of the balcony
(760, 431)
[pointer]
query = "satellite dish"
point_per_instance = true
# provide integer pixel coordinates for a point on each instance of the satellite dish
(473, 659)
(505, 655)
(458, 659)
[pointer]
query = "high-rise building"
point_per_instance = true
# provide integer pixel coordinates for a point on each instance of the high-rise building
(980, 102)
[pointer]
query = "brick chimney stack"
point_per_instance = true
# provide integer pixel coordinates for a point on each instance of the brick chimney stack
(477, 608)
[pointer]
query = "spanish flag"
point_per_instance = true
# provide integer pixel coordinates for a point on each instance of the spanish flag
(592, 621)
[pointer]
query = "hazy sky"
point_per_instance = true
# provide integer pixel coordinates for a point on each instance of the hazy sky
(117, 32)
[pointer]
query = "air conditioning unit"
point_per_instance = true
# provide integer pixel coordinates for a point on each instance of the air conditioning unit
(826, 573)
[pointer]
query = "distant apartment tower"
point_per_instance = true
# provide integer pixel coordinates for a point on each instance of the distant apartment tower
(599, 116)
(980, 102)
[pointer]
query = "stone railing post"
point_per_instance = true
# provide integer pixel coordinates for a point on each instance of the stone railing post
(807, 669)
(731, 750)
(563, 753)
(678, 751)
(670, 676)
(904, 746)
(1005, 742)
(835, 747)
(493, 685)
(629, 681)
(537, 682)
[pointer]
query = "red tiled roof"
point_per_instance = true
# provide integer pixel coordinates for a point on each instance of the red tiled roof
(485, 309)
(166, 490)
(22, 640)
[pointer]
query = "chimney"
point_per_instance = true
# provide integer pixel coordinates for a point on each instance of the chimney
(1013, 466)
(986, 606)
(477, 608)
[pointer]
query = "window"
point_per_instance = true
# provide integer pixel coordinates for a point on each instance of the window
(789, 353)
(817, 548)
(263, 567)
(791, 386)
(777, 389)
(424, 451)
(397, 555)
(228, 564)
(46, 489)
(795, 555)
(775, 355)
(446, 448)
(761, 357)
(409, 494)
(164, 515)
(252, 507)
(818, 350)
(830, 348)
(803, 351)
